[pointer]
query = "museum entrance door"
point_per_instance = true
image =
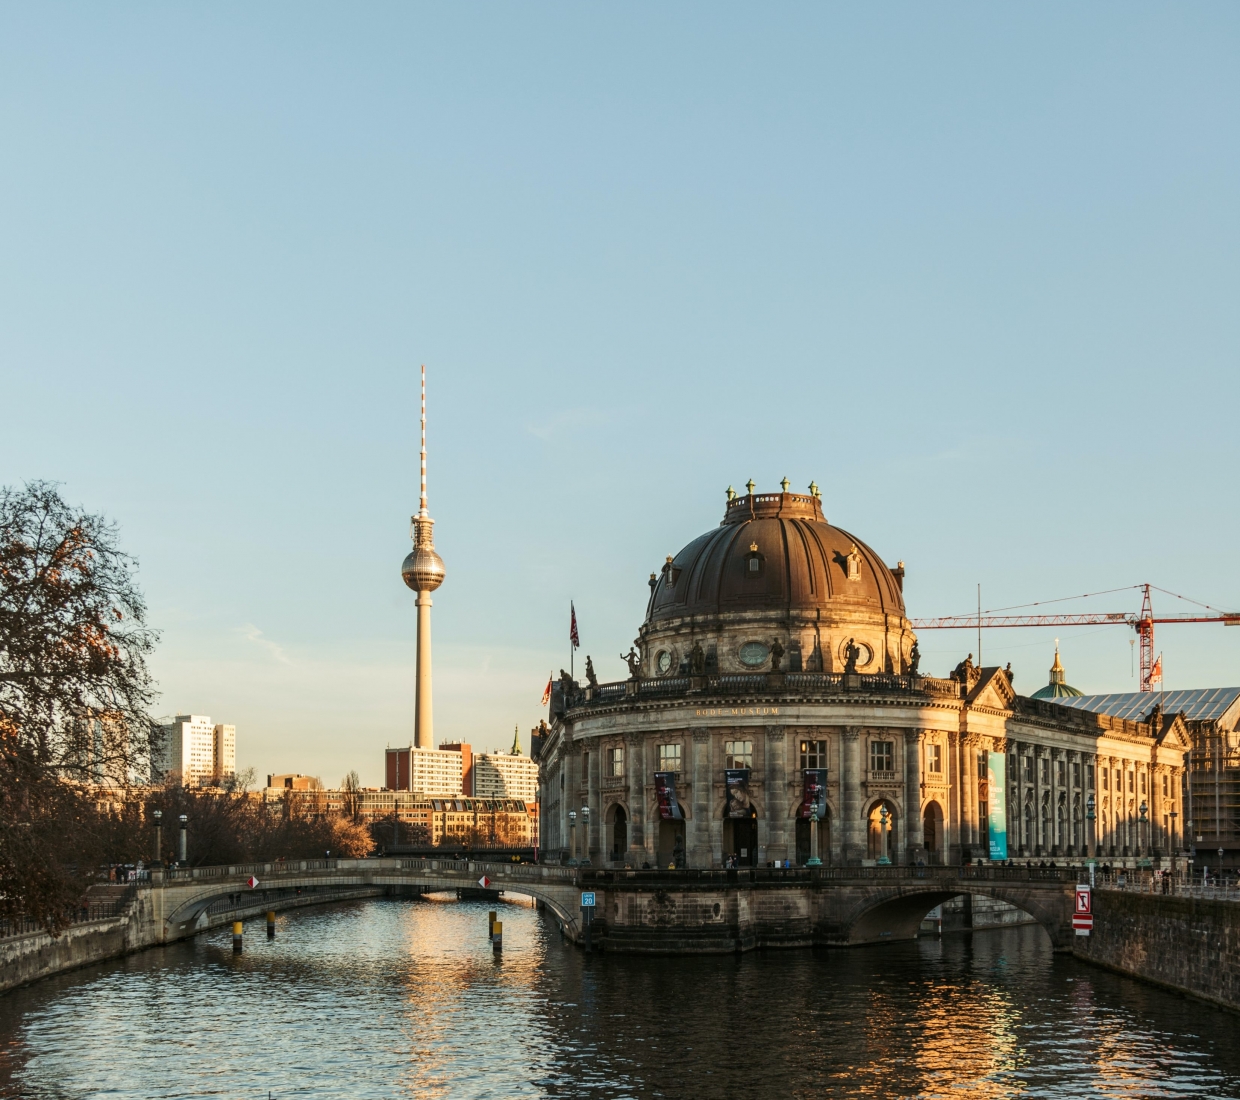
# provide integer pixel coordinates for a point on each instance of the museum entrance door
(740, 839)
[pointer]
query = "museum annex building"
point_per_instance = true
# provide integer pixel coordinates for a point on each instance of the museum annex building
(775, 699)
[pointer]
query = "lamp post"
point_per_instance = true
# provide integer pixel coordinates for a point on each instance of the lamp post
(1171, 840)
(813, 860)
(1090, 829)
(585, 834)
(1143, 826)
(883, 858)
(572, 838)
(183, 842)
(158, 817)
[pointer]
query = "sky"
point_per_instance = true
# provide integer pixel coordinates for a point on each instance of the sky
(973, 268)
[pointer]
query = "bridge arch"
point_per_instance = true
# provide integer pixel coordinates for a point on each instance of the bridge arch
(882, 915)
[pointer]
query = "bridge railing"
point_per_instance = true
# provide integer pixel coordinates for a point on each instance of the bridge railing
(892, 874)
(277, 868)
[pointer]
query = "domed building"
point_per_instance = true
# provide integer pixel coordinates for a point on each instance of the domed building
(1058, 687)
(776, 712)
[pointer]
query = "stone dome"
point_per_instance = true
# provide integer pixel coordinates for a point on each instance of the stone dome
(775, 552)
(775, 574)
(1057, 687)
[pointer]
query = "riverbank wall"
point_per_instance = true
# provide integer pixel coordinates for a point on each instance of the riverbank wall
(1185, 944)
(31, 956)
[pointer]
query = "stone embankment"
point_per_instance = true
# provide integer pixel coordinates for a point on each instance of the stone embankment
(29, 956)
(1186, 944)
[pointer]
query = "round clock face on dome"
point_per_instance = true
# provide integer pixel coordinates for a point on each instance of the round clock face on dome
(663, 662)
(754, 654)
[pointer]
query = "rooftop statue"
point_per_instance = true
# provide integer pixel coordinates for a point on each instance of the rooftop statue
(697, 659)
(593, 680)
(777, 655)
(634, 661)
(851, 655)
(914, 659)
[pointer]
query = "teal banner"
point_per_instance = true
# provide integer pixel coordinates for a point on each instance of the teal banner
(996, 801)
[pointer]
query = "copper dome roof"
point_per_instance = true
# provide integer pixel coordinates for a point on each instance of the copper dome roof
(774, 552)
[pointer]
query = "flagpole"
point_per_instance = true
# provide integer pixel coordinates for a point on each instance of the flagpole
(571, 647)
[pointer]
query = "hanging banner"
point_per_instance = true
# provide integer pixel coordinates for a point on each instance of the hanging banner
(665, 794)
(996, 802)
(813, 793)
(739, 802)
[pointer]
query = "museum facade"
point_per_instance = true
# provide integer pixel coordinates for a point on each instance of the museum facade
(776, 712)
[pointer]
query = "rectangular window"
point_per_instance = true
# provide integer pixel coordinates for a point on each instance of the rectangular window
(882, 756)
(1028, 769)
(981, 765)
(1046, 773)
(738, 754)
(615, 761)
(1059, 772)
(1131, 783)
(813, 754)
(669, 758)
(1164, 786)
(1143, 782)
(934, 759)
(1089, 776)
(1076, 774)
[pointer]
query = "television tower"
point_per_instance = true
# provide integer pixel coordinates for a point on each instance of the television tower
(423, 571)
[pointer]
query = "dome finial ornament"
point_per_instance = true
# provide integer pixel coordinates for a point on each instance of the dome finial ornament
(784, 485)
(813, 490)
(750, 486)
(731, 494)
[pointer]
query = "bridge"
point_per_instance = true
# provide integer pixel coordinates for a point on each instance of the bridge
(673, 911)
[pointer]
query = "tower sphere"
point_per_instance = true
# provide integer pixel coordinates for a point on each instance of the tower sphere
(423, 569)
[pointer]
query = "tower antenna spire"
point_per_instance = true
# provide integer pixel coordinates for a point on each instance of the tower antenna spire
(422, 512)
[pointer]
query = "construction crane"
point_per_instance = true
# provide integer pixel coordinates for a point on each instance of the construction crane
(1143, 624)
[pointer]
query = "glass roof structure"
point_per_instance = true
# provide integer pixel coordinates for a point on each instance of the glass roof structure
(1199, 704)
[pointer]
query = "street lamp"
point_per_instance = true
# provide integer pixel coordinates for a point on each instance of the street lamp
(813, 860)
(183, 842)
(883, 858)
(585, 833)
(572, 838)
(158, 815)
(1090, 829)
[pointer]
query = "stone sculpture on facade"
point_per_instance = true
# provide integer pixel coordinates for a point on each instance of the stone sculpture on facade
(590, 677)
(634, 661)
(777, 655)
(851, 655)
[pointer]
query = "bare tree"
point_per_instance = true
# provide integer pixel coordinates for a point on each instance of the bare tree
(75, 693)
(351, 788)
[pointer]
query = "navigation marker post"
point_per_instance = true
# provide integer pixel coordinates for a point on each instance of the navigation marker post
(587, 913)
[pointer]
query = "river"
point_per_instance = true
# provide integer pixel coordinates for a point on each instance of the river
(395, 998)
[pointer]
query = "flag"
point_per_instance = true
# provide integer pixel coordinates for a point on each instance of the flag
(547, 691)
(573, 636)
(1156, 671)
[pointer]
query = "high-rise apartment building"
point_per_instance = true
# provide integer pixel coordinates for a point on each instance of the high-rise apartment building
(196, 751)
(427, 771)
(506, 774)
(224, 745)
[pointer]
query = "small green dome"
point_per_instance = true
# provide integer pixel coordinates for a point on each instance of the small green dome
(1057, 689)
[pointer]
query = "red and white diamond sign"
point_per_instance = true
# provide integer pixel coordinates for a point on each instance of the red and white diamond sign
(484, 882)
(251, 882)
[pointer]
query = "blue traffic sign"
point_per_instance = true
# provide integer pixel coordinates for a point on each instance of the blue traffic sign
(587, 899)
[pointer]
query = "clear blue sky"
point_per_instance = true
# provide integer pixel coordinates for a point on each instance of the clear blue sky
(973, 268)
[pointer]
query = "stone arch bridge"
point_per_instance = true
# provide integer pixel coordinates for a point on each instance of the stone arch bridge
(665, 912)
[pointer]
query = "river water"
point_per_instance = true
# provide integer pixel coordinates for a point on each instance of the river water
(395, 998)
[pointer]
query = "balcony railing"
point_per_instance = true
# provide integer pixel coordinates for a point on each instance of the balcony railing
(804, 684)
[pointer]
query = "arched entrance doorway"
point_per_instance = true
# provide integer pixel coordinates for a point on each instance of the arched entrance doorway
(618, 822)
(740, 839)
(877, 847)
(824, 840)
(932, 832)
(672, 842)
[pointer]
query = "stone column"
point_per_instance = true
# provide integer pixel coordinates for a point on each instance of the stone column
(776, 793)
(951, 841)
(595, 803)
(914, 826)
(699, 842)
(850, 808)
(968, 793)
(637, 799)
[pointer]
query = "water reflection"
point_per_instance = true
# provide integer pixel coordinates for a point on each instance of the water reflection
(391, 998)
